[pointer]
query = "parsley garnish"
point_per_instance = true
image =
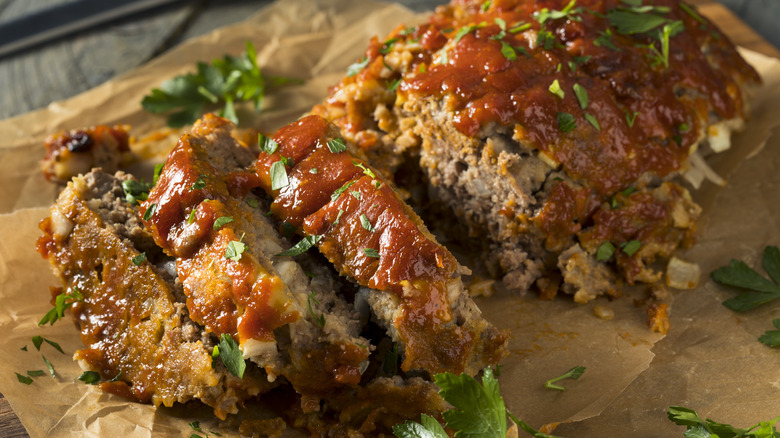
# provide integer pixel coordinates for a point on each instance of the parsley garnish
(222, 220)
(366, 223)
(341, 190)
(191, 219)
(573, 374)
(199, 184)
(35, 373)
(366, 170)
(605, 251)
(39, 340)
(278, 175)
(23, 379)
(135, 191)
(338, 216)
(288, 229)
(739, 274)
(593, 121)
(605, 40)
(699, 428)
(319, 318)
(252, 202)
(337, 145)
(90, 377)
(566, 122)
(569, 11)
(150, 212)
(393, 85)
(582, 95)
(355, 68)
(267, 144)
(158, 168)
(234, 250)
(140, 258)
(771, 337)
(631, 117)
(61, 302)
(302, 246)
(508, 51)
(485, 5)
(49, 366)
(555, 88)
(630, 21)
(519, 27)
(688, 10)
(224, 81)
(371, 252)
(231, 355)
(631, 247)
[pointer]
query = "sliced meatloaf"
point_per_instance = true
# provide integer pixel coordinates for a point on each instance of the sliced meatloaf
(129, 306)
(411, 282)
(70, 153)
(552, 129)
(201, 212)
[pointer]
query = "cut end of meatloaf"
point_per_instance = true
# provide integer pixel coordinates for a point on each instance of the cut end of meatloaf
(132, 317)
(70, 153)
(545, 137)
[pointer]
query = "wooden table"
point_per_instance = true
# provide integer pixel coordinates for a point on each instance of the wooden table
(56, 71)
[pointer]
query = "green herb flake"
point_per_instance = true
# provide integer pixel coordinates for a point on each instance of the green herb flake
(690, 11)
(341, 190)
(267, 144)
(234, 250)
(393, 85)
(135, 191)
(629, 22)
(582, 95)
(366, 223)
(252, 202)
(555, 88)
(158, 168)
(520, 27)
(605, 40)
(278, 175)
(24, 348)
(61, 302)
(759, 290)
(631, 117)
(338, 216)
(566, 122)
(150, 212)
(478, 410)
(320, 319)
(231, 355)
(771, 338)
(631, 247)
(200, 183)
(355, 194)
(195, 425)
(573, 374)
(191, 219)
(356, 68)
(371, 252)
(49, 367)
(508, 51)
(366, 170)
(387, 46)
(337, 145)
(140, 258)
(485, 6)
(23, 379)
(222, 220)
(696, 427)
(302, 246)
(35, 373)
(593, 121)
(90, 377)
(605, 251)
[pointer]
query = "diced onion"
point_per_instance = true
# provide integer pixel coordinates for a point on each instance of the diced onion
(681, 274)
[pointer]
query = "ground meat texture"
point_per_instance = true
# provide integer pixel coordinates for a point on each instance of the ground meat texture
(291, 325)
(70, 153)
(372, 237)
(133, 327)
(529, 124)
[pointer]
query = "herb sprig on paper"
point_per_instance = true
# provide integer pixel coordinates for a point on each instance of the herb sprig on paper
(700, 428)
(220, 84)
(758, 289)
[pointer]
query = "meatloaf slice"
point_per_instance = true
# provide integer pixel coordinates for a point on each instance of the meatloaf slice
(371, 236)
(132, 316)
(536, 122)
(202, 212)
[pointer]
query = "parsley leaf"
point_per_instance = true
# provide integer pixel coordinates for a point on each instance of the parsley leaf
(23, 379)
(341, 190)
(199, 184)
(631, 247)
(605, 251)
(234, 250)
(366, 223)
(278, 175)
(135, 191)
(355, 68)
(231, 355)
(582, 95)
(38, 341)
(366, 170)
(267, 144)
(508, 51)
(222, 220)
(427, 428)
(63, 301)
(319, 318)
(479, 409)
(226, 80)
(573, 374)
(697, 427)
(371, 252)
(301, 247)
(337, 145)
(49, 366)
(150, 212)
(90, 377)
(771, 337)
(140, 258)
(566, 122)
(631, 117)
(628, 21)
(555, 88)
(739, 274)
(593, 121)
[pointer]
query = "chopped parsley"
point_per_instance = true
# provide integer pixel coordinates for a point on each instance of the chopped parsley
(605, 251)
(39, 340)
(631, 247)
(61, 302)
(371, 252)
(150, 212)
(252, 202)
(337, 145)
(338, 216)
(191, 219)
(605, 40)
(771, 337)
(387, 46)
(593, 121)
(758, 289)
(566, 122)
(366, 170)
(631, 117)
(158, 168)
(555, 88)
(23, 379)
(569, 11)
(49, 366)
(582, 95)
(393, 85)
(278, 175)
(355, 68)
(508, 51)
(35, 373)
(696, 427)
(235, 249)
(140, 258)
(366, 223)
(319, 318)
(222, 220)
(520, 27)
(302, 246)
(90, 377)
(341, 190)
(267, 144)
(135, 191)
(573, 374)
(199, 184)
(231, 355)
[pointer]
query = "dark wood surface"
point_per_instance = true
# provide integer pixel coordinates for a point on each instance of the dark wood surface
(56, 71)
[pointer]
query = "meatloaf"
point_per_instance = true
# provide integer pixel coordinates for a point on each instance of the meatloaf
(553, 130)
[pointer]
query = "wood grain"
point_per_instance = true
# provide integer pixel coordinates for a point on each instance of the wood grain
(65, 68)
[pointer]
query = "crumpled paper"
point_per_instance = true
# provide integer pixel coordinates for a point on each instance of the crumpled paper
(710, 360)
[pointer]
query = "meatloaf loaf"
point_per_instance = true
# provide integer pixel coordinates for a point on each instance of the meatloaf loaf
(552, 129)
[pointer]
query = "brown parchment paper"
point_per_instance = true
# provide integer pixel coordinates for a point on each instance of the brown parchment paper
(710, 360)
